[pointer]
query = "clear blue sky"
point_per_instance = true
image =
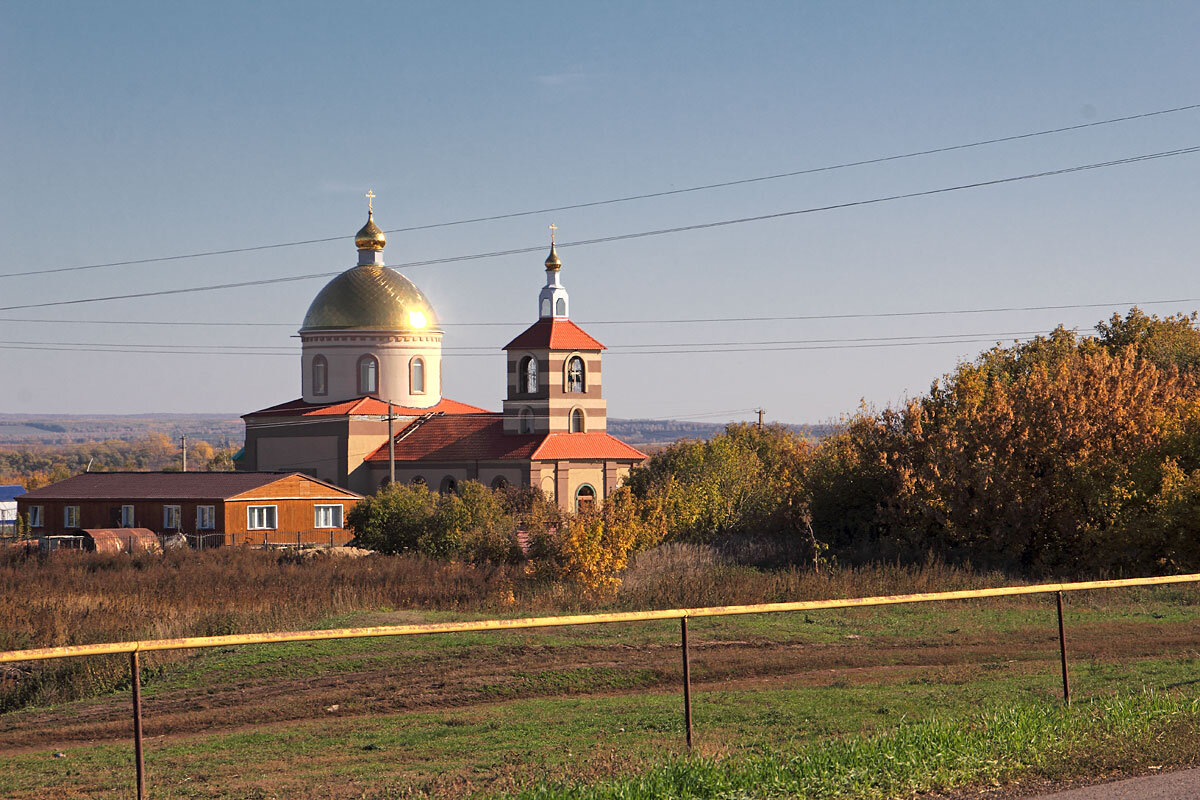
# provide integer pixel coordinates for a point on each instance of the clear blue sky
(135, 130)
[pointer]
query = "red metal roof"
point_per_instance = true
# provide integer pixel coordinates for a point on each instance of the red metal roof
(481, 437)
(360, 405)
(580, 446)
(461, 437)
(161, 485)
(556, 334)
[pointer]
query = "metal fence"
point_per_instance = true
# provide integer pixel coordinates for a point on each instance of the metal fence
(267, 540)
(681, 614)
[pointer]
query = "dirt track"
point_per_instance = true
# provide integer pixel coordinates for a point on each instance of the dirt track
(487, 674)
(1171, 786)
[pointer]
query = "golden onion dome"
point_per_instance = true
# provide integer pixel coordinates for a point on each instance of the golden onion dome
(369, 236)
(552, 260)
(370, 297)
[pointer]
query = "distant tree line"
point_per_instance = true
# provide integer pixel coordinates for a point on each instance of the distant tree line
(36, 465)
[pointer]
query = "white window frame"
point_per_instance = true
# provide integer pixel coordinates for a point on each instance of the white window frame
(211, 512)
(368, 366)
(339, 518)
(268, 524)
(35, 516)
(71, 517)
(416, 367)
(128, 520)
(172, 514)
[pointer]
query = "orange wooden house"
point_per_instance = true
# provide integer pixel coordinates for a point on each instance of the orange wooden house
(211, 508)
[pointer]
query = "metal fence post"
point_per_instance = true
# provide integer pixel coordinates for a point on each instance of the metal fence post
(687, 681)
(136, 675)
(1062, 652)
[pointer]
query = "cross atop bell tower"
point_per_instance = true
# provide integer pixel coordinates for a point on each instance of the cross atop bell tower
(553, 302)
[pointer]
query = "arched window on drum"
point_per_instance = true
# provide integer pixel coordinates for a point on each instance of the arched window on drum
(416, 375)
(320, 376)
(368, 375)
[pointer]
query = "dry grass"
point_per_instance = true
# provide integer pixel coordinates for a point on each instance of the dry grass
(690, 575)
(72, 598)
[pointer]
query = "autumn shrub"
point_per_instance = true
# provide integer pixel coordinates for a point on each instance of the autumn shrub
(470, 524)
(1062, 455)
(739, 480)
(1065, 454)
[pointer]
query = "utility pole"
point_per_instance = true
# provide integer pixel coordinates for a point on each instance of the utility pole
(760, 411)
(391, 447)
(183, 445)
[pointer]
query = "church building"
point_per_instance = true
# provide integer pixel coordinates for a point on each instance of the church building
(371, 397)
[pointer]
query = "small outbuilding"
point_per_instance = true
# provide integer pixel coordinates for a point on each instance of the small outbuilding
(8, 506)
(120, 540)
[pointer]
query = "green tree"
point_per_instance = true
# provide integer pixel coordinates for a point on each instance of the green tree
(1172, 341)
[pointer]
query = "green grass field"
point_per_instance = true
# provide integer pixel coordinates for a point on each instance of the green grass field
(857, 703)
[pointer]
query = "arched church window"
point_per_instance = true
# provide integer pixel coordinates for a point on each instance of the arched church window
(416, 375)
(449, 485)
(561, 307)
(368, 375)
(526, 420)
(527, 380)
(546, 307)
(499, 482)
(585, 498)
(576, 375)
(320, 376)
(418, 480)
(577, 420)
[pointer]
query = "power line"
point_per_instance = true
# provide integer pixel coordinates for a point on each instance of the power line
(148, 322)
(677, 321)
(257, 348)
(625, 199)
(695, 350)
(491, 348)
(638, 235)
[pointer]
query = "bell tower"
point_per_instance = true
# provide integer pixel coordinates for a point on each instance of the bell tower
(554, 368)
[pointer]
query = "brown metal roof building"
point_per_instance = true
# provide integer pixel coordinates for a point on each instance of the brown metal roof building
(211, 508)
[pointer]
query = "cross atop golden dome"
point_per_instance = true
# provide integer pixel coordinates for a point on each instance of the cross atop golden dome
(552, 260)
(369, 236)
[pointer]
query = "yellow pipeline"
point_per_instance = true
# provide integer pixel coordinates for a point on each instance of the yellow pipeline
(577, 619)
